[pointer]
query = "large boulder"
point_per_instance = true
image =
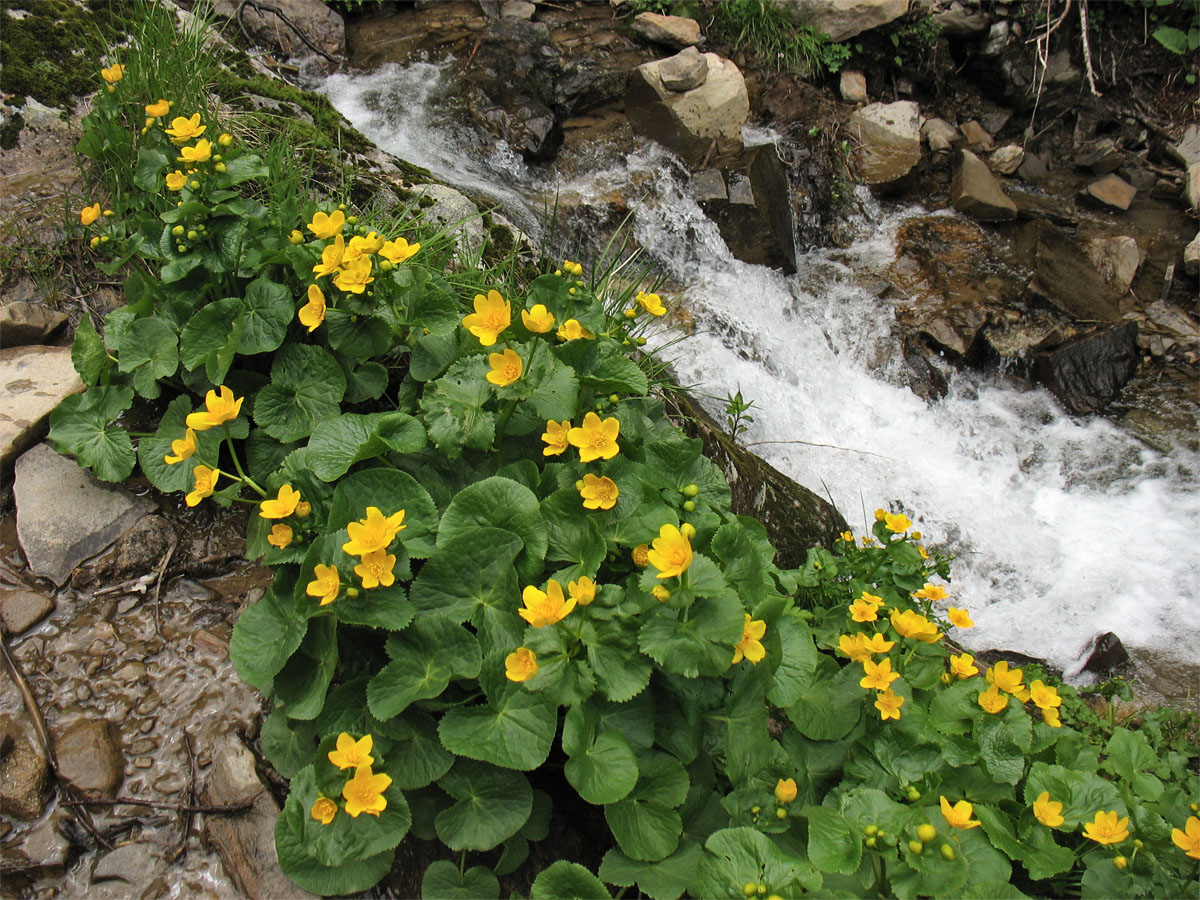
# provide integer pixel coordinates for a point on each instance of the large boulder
(316, 21)
(843, 19)
(23, 323)
(1066, 277)
(689, 122)
(975, 191)
(1089, 370)
(888, 139)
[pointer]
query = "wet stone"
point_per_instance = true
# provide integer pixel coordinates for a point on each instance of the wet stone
(88, 757)
(146, 727)
(1111, 190)
(976, 192)
(23, 774)
(128, 603)
(143, 762)
(33, 381)
(131, 672)
(148, 705)
(83, 693)
(142, 746)
(977, 137)
(21, 610)
(1104, 652)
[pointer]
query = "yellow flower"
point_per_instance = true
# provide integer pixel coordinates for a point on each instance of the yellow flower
(1187, 838)
(572, 268)
(1121, 862)
(492, 315)
(354, 276)
(876, 644)
(375, 569)
(1043, 696)
(326, 225)
(539, 320)
(854, 646)
(327, 584)
(596, 439)
(931, 592)
(398, 250)
(1047, 811)
(324, 810)
(282, 506)
(862, 610)
(89, 214)
(312, 313)
(880, 514)
(598, 493)
(183, 129)
(506, 367)
(295, 237)
(113, 74)
(520, 665)
(582, 591)
(544, 608)
(641, 555)
(375, 532)
(331, 257)
(847, 536)
(959, 815)
(158, 109)
(206, 483)
(879, 676)
(959, 618)
(351, 754)
(651, 303)
(281, 535)
(897, 523)
(219, 409)
(303, 508)
(555, 437)
(888, 704)
(1106, 828)
(750, 646)
(1050, 717)
(202, 152)
(364, 245)
(176, 181)
(364, 792)
(1007, 680)
(571, 330)
(660, 593)
(992, 700)
(963, 666)
(912, 624)
(671, 553)
(785, 790)
(181, 450)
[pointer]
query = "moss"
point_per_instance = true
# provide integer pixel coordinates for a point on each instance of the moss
(10, 130)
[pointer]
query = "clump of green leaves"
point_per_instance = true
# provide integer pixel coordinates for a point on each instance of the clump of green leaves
(763, 28)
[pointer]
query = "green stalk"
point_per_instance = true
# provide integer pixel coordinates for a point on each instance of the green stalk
(246, 479)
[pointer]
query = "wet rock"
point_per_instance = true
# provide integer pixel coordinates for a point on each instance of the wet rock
(1089, 370)
(517, 9)
(1007, 159)
(1099, 156)
(20, 610)
(674, 31)
(246, 842)
(749, 203)
(23, 775)
(33, 381)
(43, 850)
(23, 323)
(1173, 320)
(1111, 190)
(320, 24)
(64, 515)
(1104, 653)
(686, 70)
(88, 758)
(977, 137)
(975, 191)
(1187, 151)
(689, 123)
(136, 864)
(450, 208)
(1033, 168)
(939, 134)
(853, 86)
(142, 547)
(842, 19)
(957, 20)
(1065, 277)
(1191, 256)
(888, 139)
(1116, 259)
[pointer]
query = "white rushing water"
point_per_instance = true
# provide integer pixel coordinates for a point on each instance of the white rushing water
(1062, 527)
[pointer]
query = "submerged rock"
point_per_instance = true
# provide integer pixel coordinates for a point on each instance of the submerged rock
(23, 776)
(20, 610)
(1066, 278)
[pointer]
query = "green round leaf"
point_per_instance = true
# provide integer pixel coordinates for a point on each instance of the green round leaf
(306, 387)
(606, 771)
(268, 312)
(79, 426)
(515, 731)
(327, 881)
(568, 881)
(425, 658)
(500, 503)
(492, 806)
(443, 881)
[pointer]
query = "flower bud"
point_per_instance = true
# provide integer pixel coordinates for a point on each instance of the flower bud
(220, 167)
(579, 485)
(756, 809)
(689, 505)
(194, 185)
(225, 140)
(94, 242)
(193, 234)
(386, 265)
(104, 238)
(916, 847)
(871, 830)
(660, 593)
(688, 530)
(1137, 844)
(177, 231)
(913, 795)
(352, 592)
(750, 888)
(303, 508)
(1121, 862)
(871, 842)
(630, 313)
(916, 535)
(947, 852)
(351, 220)
(926, 832)
(640, 341)
(690, 490)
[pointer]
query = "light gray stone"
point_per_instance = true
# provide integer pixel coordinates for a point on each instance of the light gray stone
(1173, 319)
(1117, 259)
(33, 381)
(842, 19)
(888, 139)
(20, 610)
(853, 86)
(1007, 159)
(1191, 256)
(674, 31)
(939, 134)
(23, 323)
(685, 71)
(1191, 186)
(958, 20)
(88, 758)
(64, 515)
(975, 191)
(1111, 190)
(452, 209)
(517, 9)
(320, 24)
(1187, 151)
(138, 863)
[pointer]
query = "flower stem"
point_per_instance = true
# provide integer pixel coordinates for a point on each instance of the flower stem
(246, 479)
(503, 423)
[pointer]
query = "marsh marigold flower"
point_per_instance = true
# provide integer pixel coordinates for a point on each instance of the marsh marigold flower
(785, 790)
(326, 225)
(282, 506)
(1006, 679)
(323, 810)
(1047, 811)
(959, 815)
(364, 792)
(327, 584)
(555, 437)
(364, 245)
(546, 607)
(572, 268)
(651, 303)
(354, 276)
(113, 73)
(350, 754)
(492, 315)
(520, 665)
(539, 320)
(1050, 717)
(992, 700)
(876, 643)
(219, 408)
(331, 257)
(959, 618)
(912, 624)
(206, 484)
(1106, 828)
(897, 523)
(888, 703)
(158, 109)
(865, 608)
(181, 450)
(931, 592)
(375, 569)
(375, 532)
(184, 129)
(598, 493)
(506, 367)
(200, 153)
(879, 676)
(671, 552)
(176, 181)
(1043, 696)
(641, 555)
(281, 535)
(1187, 838)
(582, 591)
(750, 646)
(963, 666)
(398, 250)
(854, 646)
(660, 593)
(312, 313)
(89, 214)
(571, 330)
(596, 439)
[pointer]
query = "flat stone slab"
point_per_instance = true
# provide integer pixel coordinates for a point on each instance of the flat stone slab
(1111, 190)
(64, 515)
(33, 381)
(20, 610)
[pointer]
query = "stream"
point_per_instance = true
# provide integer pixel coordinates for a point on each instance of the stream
(1062, 527)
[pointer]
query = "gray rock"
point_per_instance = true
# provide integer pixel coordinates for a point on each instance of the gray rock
(1099, 156)
(751, 208)
(1007, 159)
(993, 122)
(709, 186)
(23, 775)
(1187, 151)
(975, 191)
(138, 863)
(688, 123)
(939, 134)
(1111, 190)
(842, 19)
(1116, 259)
(684, 71)
(320, 24)
(674, 31)
(64, 515)
(23, 323)
(888, 138)
(1033, 168)
(977, 137)
(43, 850)
(853, 86)
(1191, 256)
(33, 381)
(1173, 320)
(88, 758)
(1104, 652)
(1065, 277)
(141, 548)
(20, 610)
(1191, 186)
(1089, 370)
(959, 21)
(517, 9)
(450, 208)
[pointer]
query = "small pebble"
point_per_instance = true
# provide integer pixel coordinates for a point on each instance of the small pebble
(147, 726)
(83, 692)
(143, 762)
(149, 705)
(143, 746)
